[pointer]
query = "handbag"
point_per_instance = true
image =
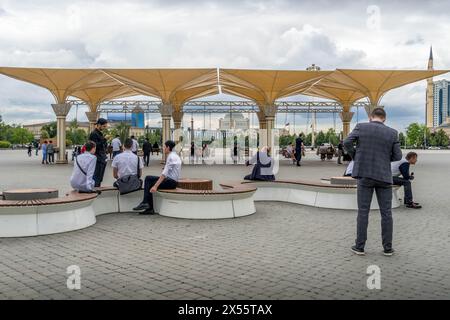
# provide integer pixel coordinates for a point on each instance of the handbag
(129, 183)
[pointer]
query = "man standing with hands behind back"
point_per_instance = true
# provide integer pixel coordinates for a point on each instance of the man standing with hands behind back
(377, 145)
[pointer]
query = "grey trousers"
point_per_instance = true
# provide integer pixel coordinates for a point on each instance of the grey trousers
(383, 190)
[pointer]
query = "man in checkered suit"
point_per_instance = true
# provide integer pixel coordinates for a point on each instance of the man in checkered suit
(373, 146)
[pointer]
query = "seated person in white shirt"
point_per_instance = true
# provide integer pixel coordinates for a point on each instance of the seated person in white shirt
(83, 170)
(116, 145)
(349, 170)
(168, 179)
(135, 145)
(126, 163)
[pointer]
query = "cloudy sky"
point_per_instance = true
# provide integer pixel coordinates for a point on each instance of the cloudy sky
(283, 34)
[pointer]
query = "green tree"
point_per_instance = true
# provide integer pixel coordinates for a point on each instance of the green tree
(442, 139)
(308, 139)
(332, 137)
(402, 139)
(44, 134)
(320, 138)
(5, 132)
(21, 136)
(51, 129)
(75, 135)
(286, 140)
(123, 130)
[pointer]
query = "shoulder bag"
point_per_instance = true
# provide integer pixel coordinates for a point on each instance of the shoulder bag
(129, 183)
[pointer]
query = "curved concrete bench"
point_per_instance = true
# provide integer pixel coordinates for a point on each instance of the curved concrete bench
(22, 218)
(233, 202)
(309, 193)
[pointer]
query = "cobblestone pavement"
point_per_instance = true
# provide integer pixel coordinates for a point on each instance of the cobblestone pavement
(283, 251)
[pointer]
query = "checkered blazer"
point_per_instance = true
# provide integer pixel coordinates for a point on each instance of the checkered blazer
(373, 146)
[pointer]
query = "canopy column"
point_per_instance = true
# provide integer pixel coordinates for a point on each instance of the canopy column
(166, 111)
(371, 107)
(61, 110)
(346, 117)
(92, 117)
(177, 117)
(268, 125)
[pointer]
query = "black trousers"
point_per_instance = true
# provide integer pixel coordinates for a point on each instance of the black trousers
(51, 157)
(146, 158)
(399, 181)
(383, 190)
(150, 182)
(298, 155)
(99, 172)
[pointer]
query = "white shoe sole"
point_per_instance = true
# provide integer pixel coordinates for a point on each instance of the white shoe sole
(358, 253)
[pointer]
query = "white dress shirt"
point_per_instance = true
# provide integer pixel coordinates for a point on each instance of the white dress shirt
(79, 180)
(172, 169)
(116, 144)
(349, 169)
(135, 146)
(126, 163)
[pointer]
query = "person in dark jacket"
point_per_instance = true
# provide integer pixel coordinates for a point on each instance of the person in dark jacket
(377, 146)
(155, 148)
(263, 166)
(402, 177)
(147, 149)
(100, 151)
(340, 148)
(299, 145)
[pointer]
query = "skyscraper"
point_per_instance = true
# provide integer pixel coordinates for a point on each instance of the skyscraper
(429, 118)
(438, 99)
(441, 102)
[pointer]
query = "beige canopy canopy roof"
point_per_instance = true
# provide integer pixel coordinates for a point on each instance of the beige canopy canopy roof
(95, 96)
(372, 84)
(169, 85)
(266, 86)
(329, 87)
(176, 86)
(60, 82)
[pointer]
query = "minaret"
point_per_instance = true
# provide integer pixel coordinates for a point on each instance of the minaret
(430, 94)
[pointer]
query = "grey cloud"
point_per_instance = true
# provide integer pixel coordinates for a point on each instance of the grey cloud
(283, 34)
(417, 40)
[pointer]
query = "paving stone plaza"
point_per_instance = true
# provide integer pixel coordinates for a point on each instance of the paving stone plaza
(283, 251)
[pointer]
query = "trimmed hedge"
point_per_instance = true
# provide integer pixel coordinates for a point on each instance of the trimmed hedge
(5, 145)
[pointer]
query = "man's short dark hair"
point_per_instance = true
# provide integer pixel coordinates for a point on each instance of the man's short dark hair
(90, 145)
(128, 143)
(170, 144)
(132, 137)
(101, 121)
(411, 155)
(117, 136)
(379, 113)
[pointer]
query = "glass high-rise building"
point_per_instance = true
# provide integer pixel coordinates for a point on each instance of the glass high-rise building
(441, 102)
(136, 120)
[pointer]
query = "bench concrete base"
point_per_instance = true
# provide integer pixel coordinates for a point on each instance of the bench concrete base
(236, 200)
(314, 196)
(198, 206)
(28, 221)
